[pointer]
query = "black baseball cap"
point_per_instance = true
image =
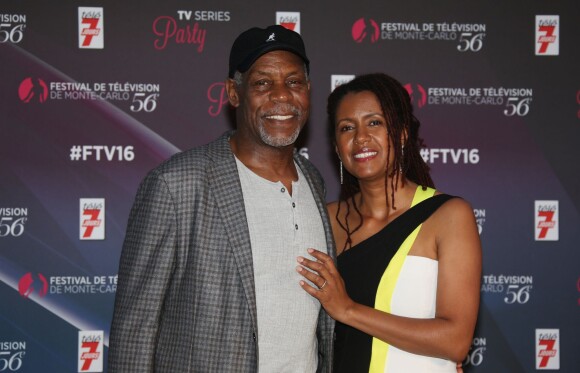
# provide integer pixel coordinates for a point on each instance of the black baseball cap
(253, 43)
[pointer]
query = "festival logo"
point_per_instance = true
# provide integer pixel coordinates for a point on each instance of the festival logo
(417, 94)
(12, 28)
(479, 219)
(33, 89)
(12, 355)
(515, 289)
(476, 353)
(336, 80)
(547, 35)
(548, 349)
(140, 97)
(66, 284)
(516, 102)
(28, 284)
(546, 221)
(90, 351)
(289, 20)
(12, 221)
(92, 218)
(363, 29)
(91, 32)
(467, 37)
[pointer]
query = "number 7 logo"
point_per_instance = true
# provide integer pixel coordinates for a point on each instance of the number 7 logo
(547, 38)
(90, 355)
(546, 220)
(90, 31)
(548, 352)
(545, 225)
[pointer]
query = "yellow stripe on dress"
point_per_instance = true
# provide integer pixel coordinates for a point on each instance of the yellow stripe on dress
(388, 282)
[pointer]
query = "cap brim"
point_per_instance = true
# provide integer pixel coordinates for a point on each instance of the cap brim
(272, 46)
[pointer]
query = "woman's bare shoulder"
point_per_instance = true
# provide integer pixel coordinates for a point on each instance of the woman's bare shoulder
(455, 221)
(456, 206)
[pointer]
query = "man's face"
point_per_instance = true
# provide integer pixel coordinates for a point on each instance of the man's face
(273, 101)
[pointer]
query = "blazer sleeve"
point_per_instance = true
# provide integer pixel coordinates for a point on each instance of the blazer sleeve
(146, 264)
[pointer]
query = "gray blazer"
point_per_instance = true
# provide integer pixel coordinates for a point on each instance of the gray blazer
(185, 298)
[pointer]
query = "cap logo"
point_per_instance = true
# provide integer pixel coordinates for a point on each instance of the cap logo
(272, 37)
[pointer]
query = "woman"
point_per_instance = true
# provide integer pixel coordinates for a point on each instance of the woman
(406, 292)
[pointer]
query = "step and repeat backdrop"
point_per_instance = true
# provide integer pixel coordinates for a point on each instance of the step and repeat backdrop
(94, 94)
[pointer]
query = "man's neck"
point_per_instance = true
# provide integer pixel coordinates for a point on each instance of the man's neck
(271, 163)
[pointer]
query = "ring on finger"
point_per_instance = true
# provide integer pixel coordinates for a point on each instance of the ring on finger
(323, 285)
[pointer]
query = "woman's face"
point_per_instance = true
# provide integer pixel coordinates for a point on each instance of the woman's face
(362, 141)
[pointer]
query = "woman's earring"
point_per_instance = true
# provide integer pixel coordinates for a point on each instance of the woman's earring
(341, 176)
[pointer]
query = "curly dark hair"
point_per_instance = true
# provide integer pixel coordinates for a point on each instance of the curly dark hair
(398, 112)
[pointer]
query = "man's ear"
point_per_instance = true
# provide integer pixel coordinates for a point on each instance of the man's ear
(233, 96)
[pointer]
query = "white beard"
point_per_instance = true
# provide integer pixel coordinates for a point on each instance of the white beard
(278, 142)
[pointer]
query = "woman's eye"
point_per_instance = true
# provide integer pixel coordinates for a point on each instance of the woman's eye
(345, 128)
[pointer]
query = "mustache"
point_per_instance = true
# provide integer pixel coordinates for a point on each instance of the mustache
(283, 109)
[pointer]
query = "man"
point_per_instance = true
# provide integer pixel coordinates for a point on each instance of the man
(206, 277)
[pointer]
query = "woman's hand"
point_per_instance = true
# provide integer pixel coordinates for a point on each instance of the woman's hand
(329, 287)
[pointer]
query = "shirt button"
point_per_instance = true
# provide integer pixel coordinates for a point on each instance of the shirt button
(283, 190)
(296, 226)
(293, 204)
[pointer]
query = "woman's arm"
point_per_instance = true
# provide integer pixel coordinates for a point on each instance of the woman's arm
(449, 334)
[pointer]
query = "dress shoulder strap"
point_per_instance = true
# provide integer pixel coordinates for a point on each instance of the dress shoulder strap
(421, 194)
(424, 204)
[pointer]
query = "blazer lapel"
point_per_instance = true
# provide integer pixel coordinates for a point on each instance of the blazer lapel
(225, 184)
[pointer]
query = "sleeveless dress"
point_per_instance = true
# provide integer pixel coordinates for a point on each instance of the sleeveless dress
(378, 273)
